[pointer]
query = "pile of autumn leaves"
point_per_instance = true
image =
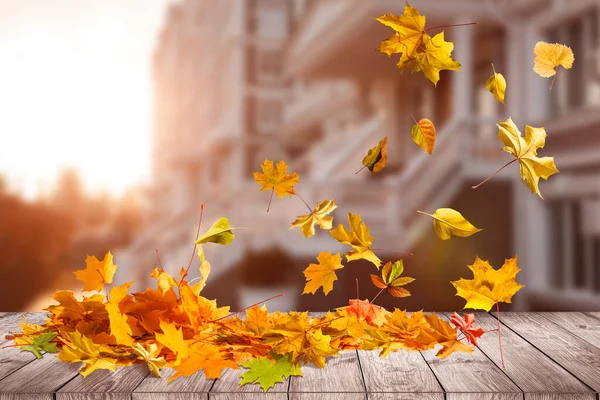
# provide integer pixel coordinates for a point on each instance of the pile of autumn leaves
(175, 326)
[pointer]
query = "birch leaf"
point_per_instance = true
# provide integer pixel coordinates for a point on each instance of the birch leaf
(448, 223)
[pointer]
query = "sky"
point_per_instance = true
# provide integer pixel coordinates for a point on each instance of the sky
(75, 91)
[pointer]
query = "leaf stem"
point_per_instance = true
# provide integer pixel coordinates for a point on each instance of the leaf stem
(494, 174)
(305, 203)
(158, 258)
(244, 309)
(392, 251)
(553, 79)
(499, 337)
(377, 295)
(356, 173)
(270, 199)
(449, 26)
(357, 288)
(195, 245)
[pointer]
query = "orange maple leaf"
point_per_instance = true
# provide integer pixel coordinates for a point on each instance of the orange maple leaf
(97, 273)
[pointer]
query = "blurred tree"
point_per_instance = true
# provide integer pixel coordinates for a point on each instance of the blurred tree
(34, 243)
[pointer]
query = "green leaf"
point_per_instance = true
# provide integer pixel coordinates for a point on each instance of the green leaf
(267, 373)
(376, 158)
(220, 233)
(394, 272)
(42, 343)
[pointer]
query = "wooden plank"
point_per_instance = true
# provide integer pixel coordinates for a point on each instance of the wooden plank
(484, 396)
(118, 384)
(464, 373)
(403, 372)
(42, 376)
(228, 387)
(530, 369)
(579, 324)
(152, 385)
(13, 359)
(11, 322)
(341, 374)
(573, 353)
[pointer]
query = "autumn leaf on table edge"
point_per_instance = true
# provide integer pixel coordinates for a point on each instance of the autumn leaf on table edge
(41, 343)
(488, 286)
(448, 223)
(466, 326)
(358, 237)
(322, 275)
(267, 372)
(317, 217)
(391, 280)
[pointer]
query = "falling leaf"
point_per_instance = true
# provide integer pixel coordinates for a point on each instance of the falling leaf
(376, 158)
(497, 85)
(358, 237)
(423, 134)
(532, 168)
(317, 217)
(267, 372)
(549, 56)
(149, 356)
(204, 272)
(391, 280)
(276, 178)
(219, 233)
(322, 274)
(97, 273)
(419, 50)
(434, 57)
(448, 223)
(42, 343)
(466, 326)
(488, 286)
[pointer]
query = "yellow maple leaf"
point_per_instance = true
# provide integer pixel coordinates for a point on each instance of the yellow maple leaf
(358, 237)
(172, 338)
(149, 355)
(322, 274)
(80, 348)
(489, 286)
(532, 168)
(433, 58)
(97, 273)
(418, 49)
(548, 56)
(497, 85)
(165, 281)
(119, 327)
(205, 357)
(276, 179)
(317, 217)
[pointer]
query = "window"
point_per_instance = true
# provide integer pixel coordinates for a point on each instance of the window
(580, 87)
(270, 114)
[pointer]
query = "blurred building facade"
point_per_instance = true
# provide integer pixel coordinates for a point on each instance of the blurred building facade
(240, 81)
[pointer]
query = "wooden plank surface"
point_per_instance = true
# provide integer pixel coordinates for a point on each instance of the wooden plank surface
(579, 324)
(574, 354)
(403, 372)
(197, 386)
(530, 369)
(342, 374)
(118, 384)
(461, 373)
(228, 387)
(10, 322)
(45, 375)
